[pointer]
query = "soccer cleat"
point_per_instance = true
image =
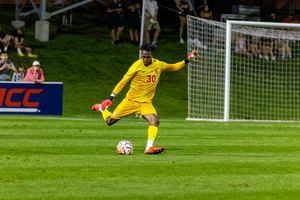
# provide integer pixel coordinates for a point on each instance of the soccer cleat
(154, 150)
(32, 55)
(21, 54)
(97, 107)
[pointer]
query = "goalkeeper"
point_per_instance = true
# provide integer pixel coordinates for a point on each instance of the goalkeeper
(144, 75)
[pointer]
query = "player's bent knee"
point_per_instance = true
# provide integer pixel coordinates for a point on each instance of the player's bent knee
(155, 122)
(110, 121)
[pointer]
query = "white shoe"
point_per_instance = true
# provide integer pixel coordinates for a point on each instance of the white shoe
(266, 57)
(273, 58)
(181, 41)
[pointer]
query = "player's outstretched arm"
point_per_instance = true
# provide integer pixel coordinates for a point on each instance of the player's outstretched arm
(181, 64)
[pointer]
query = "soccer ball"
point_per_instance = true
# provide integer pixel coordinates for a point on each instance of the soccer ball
(124, 147)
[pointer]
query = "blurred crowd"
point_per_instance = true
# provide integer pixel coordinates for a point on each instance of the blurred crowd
(266, 47)
(130, 11)
(14, 41)
(33, 74)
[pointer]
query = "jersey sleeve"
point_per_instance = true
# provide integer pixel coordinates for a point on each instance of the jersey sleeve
(127, 77)
(174, 67)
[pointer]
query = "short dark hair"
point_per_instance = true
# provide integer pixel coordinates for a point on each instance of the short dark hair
(23, 65)
(3, 52)
(148, 47)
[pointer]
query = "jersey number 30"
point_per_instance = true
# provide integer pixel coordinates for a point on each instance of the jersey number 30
(151, 78)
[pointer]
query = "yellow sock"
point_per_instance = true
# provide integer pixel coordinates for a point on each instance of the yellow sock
(106, 114)
(152, 132)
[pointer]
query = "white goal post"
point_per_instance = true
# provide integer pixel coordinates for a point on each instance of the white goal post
(246, 71)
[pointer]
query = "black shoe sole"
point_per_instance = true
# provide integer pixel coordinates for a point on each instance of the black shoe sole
(156, 152)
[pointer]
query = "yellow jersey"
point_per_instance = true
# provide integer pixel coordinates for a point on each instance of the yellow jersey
(144, 79)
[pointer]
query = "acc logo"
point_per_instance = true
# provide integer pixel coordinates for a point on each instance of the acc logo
(25, 101)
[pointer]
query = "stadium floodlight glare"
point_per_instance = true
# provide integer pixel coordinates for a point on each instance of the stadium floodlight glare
(256, 84)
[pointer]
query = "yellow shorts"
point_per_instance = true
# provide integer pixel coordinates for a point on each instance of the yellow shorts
(127, 107)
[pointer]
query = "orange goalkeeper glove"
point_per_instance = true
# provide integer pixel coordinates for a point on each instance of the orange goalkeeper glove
(106, 103)
(191, 56)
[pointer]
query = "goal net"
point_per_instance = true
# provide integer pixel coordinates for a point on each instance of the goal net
(245, 71)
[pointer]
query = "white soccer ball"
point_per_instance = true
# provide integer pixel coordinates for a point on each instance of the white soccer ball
(124, 147)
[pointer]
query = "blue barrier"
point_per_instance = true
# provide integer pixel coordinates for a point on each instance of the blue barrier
(31, 98)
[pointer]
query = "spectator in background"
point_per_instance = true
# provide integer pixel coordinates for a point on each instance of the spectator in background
(291, 19)
(284, 49)
(272, 17)
(252, 46)
(115, 11)
(206, 13)
(4, 41)
(5, 67)
(134, 21)
(267, 48)
(19, 35)
(184, 8)
(34, 73)
(208, 30)
(240, 45)
(20, 74)
(151, 22)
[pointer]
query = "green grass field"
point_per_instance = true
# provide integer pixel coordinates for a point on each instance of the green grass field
(74, 156)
